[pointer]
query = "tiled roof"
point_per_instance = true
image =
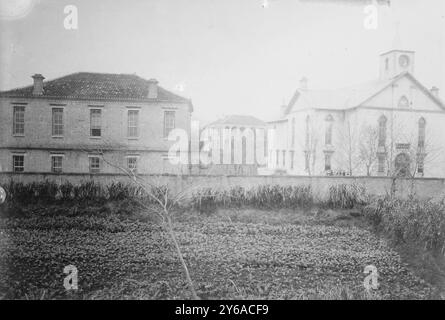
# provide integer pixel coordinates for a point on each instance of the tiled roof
(239, 120)
(106, 86)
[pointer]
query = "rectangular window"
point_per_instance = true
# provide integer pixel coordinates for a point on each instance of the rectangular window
(18, 127)
(57, 122)
(284, 158)
(292, 159)
(169, 122)
(420, 165)
(277, 156)
(381, 164)
(94, 164)
(420, 168)
(132, 163)
(18, 163)
(133, 123)
(95, 122)
(328, 137)
(328, 133)
(266, 150)
(56, 164)
(327, 161)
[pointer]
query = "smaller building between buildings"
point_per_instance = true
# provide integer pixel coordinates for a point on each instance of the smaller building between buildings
(235, 145)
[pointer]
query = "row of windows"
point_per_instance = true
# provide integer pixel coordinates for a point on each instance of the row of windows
(329, 124)
(328, 161)
(420, 137)
(381, 161)
(328, 157)
(133, 124)
(329, 120)
(95, 163)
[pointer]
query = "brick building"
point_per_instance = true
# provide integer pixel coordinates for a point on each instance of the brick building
(90, 122)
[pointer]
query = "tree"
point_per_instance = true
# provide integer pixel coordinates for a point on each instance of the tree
(368, 148)
(161, 202)
(310, 146)
(348, 148)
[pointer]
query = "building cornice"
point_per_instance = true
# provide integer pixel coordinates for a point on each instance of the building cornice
(85, 149)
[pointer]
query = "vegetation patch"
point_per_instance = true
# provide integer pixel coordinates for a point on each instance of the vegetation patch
(274, 242)
(119, 258)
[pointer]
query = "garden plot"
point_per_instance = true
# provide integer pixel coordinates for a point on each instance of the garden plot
(127, 259)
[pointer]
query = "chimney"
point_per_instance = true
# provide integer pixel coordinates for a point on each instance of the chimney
(303, 83)
(283, 109)
(38, 84)
(435, 91)
(152, 89)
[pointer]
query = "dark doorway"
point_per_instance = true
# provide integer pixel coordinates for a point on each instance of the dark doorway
(402, 165)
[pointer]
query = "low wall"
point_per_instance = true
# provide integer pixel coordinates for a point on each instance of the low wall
(423, 187)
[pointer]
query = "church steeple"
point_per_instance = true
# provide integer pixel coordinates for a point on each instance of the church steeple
(396, 61)
(397, 40)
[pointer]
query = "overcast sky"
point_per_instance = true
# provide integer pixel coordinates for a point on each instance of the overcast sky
(230, 56)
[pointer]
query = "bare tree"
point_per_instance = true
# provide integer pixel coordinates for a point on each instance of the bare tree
(310, 146)
(349, 148)
(368, 148)
(162, 203)
(409, 153)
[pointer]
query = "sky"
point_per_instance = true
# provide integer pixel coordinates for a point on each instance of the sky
(228, 56)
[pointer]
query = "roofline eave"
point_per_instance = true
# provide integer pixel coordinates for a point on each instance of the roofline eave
(71, 98)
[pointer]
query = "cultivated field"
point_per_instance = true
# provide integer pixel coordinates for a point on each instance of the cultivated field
(246, 254)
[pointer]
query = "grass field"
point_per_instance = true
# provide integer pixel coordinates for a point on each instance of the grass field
(233, 254)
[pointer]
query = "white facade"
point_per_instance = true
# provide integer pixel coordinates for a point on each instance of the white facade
(391, 126)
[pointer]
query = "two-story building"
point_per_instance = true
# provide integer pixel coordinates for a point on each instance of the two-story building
(90, 123)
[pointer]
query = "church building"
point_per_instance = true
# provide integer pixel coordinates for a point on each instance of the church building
(391, 126)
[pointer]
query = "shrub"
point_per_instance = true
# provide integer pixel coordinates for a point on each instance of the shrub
(118, 191)
(66, 191)
(262, 197)
(346, 196)
(412, 221)
(89, 191)
(45, 192)
(17, 192)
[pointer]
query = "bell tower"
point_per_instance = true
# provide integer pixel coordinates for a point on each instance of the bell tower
(394, 62)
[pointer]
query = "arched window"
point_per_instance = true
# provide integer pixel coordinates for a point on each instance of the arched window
(421, 138)
(382, 131)
(328, 135)
(403, 102)
(308, 119)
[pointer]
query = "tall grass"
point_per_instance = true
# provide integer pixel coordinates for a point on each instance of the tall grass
(264, 196)
(347, 196)
(47, 192)
(277, 196)
(411, 221)
(203, 200)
